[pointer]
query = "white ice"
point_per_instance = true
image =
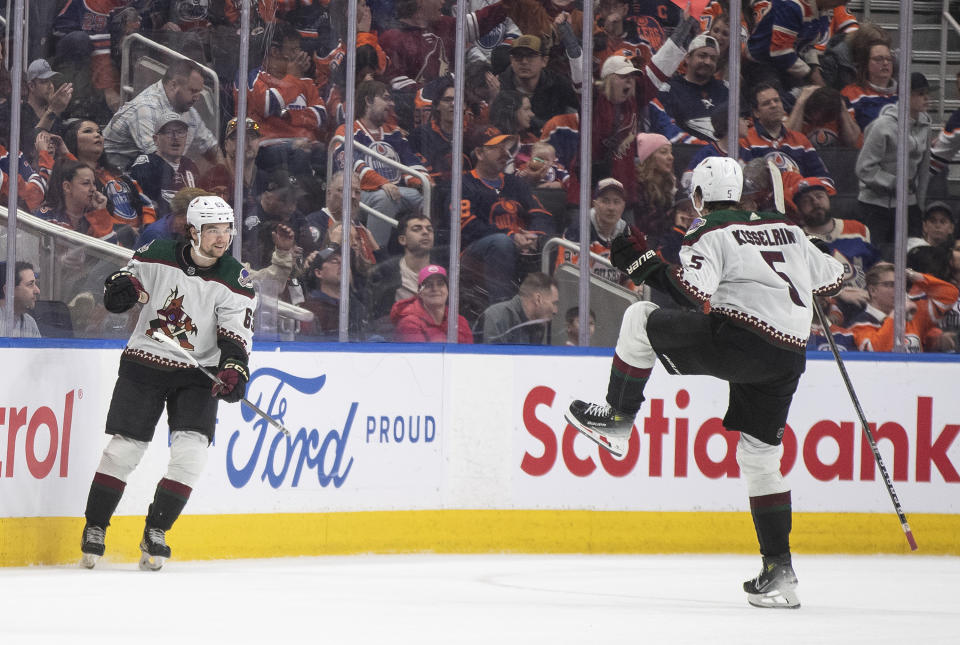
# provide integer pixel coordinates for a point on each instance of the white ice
(483, 599)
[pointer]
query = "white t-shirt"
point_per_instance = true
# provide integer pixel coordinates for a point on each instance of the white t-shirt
(24, 326)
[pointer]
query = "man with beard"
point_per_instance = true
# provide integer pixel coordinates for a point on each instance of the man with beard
(690, 98)
(848, 240)
(131, 130)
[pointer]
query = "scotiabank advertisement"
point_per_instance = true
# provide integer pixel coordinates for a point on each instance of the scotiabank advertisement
(681, 458)
(435, 430)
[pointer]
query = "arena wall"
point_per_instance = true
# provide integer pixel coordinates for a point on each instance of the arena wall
(464, 449)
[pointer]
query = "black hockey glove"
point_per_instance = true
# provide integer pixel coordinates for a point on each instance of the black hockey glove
(233, 376)
(629, 253)
(822, 246)
(121, 291)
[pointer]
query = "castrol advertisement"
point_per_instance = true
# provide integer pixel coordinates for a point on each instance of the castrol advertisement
(466, 430)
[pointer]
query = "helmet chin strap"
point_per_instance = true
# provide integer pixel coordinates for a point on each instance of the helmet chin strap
(196, 248)
(696, 200)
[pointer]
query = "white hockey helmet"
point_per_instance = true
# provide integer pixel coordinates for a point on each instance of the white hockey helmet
(208, 209)
(717, 179)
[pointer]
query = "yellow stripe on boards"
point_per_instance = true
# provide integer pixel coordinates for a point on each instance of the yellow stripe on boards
(56, 540)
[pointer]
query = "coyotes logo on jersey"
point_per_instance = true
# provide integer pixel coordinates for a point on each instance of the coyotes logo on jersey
(173, 321)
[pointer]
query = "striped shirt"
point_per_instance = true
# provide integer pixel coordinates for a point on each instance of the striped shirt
(130, 132)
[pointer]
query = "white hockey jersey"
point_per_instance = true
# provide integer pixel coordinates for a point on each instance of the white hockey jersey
(194, 306)
(759, 270)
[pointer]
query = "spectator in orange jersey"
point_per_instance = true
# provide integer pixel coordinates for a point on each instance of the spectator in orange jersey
(928, 299)
(821, 115)
(126, 203)
(284, 101)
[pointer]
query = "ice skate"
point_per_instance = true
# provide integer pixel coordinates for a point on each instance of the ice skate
(154, 551)
(775, 587)
(601, 424)
(91, 545)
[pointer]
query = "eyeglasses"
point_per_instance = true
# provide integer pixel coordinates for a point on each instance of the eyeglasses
(881, 59)
(174, 132)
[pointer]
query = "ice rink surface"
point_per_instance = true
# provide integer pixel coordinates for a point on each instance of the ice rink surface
(488, 599)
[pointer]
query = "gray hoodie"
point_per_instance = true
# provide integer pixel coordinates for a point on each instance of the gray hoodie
(877, 162)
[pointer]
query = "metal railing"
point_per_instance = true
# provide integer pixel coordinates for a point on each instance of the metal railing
(423, 177)
(643, 293)
(210, 115)
(48, 232)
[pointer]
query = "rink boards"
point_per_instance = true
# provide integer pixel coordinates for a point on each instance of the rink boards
(426, 448)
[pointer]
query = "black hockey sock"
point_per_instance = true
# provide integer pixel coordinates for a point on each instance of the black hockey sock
(772, 517)
(105, 494)
(168, 502)
(625, 390)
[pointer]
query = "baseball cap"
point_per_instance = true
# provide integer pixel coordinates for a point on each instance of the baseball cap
(619, 65)
(169, 117)
(431, 270)
(702, 40)
(527, 41)
(811, 183)
(324, 254)
(39, 69)
(919, 83)
(944, 207)
(488, 135)
(252, 128)
(608, 184)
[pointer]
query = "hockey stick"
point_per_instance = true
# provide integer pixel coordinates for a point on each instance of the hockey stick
(163, 338)
(866, 428)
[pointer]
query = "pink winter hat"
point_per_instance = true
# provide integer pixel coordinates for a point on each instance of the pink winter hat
(429, 270)
(648, 143)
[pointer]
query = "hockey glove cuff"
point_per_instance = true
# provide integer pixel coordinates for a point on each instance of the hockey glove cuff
(822, 246)
(123, 290)
(233, 376)
(629, 253)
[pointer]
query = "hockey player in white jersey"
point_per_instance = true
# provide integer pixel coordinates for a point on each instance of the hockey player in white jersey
(201, 297)
(758, 274)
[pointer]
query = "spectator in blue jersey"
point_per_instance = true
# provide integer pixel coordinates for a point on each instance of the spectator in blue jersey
(785, 41)
(770, 138)
(386, 189)
(501, 221)
(164, 172)
(876, 85)
(173, 225)
(877, 166)
(550, 93)
(847, 239)
(691, 97)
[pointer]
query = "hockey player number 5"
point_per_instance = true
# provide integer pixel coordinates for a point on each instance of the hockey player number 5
(776, 257)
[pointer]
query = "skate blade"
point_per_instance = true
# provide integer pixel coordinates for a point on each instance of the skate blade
(786, 599)
(154, 563)
(89, 560)
(616, 445)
